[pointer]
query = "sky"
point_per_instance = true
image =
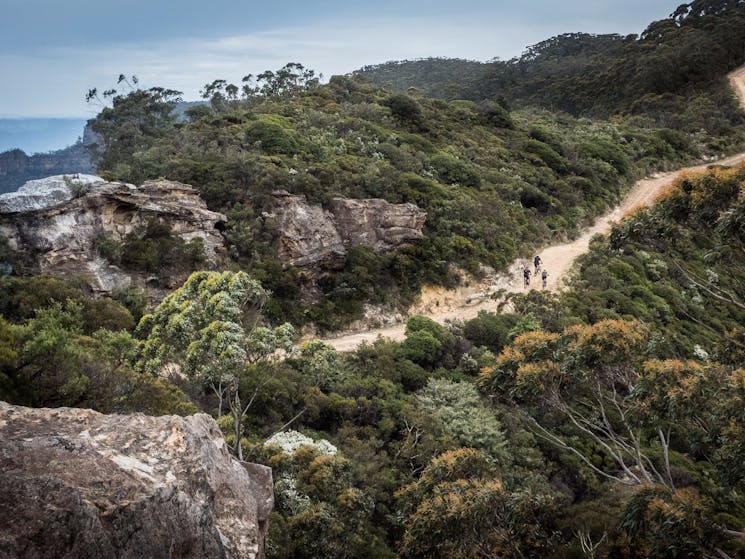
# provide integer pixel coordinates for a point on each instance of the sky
(53, 51)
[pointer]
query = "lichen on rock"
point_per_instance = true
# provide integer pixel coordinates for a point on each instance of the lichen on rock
(77, 483)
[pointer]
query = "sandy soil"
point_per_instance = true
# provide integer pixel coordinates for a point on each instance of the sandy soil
(465, 302)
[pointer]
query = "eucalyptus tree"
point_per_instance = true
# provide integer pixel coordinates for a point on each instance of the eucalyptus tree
(210, 325)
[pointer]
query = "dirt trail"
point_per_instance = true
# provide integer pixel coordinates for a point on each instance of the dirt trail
(465, 302)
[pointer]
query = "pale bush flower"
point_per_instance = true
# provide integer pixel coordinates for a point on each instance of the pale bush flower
(290, 441)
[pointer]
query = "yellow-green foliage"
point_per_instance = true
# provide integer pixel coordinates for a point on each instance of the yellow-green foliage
(537, 364)
(458, 508)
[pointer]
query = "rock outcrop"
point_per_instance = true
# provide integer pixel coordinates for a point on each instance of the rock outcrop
(77, 483)
(306, 234)
(309, 236)
(55, 232)
(45, 193)
(376, 223)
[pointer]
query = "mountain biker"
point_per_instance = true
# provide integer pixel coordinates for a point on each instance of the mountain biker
(544, 277)
(526, 276)
(537, 263)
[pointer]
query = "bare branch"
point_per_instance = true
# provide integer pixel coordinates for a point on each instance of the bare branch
(286, 425)
(554, 439)
(665, 442)
(710, 288)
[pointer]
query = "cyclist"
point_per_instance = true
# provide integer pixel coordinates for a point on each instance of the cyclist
(537, 263)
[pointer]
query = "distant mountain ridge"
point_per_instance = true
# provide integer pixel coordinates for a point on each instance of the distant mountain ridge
(674, 64)
(16, 167)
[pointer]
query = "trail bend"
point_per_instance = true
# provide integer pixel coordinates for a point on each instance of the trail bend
(465, 302)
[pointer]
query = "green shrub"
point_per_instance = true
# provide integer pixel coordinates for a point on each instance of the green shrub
(452, 170)
(496, 115)
(405, 109)
(271, 138)
(548, 155)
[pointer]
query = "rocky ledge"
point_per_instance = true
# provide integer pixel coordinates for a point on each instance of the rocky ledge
(309, 236)
(53, 223)
(47, 192)
(77, 483)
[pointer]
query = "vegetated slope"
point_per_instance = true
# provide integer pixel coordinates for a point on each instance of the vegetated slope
(494, 184)
(671, 75)
(419, 460)
(677, 266)
(442, 78)
(465, 303)
(521, 434)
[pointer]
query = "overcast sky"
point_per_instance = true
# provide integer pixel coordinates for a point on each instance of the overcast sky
(53, 51)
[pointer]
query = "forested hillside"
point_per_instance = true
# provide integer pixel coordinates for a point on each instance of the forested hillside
(608, 416)
(439, 78)
(493, 183)
(605, 420)
(671, 75)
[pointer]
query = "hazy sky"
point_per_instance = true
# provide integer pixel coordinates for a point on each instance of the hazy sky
(53, 51)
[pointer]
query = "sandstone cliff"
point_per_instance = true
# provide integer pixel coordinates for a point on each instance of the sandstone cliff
(54, 231)
(77, 483)
(376, 223)
(309, 236)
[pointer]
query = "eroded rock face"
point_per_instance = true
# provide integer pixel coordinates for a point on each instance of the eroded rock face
(309, 236)
(77, 483)
(376, 223)
(56, 235)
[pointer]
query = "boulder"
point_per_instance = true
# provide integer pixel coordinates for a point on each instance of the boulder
(306, 233)
(45, 193)
(77, 483)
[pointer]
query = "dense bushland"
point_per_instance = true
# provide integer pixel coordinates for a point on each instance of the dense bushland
(607, 417)
(605, 421)
(494, 183)
(672, 75)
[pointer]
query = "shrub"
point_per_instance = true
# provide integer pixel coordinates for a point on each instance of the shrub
(271, 138)
(452, 170)
(496, 115)
(405, 109)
